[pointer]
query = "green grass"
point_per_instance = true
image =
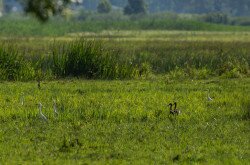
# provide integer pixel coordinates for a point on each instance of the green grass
(112, 90)
(17, 26)
(111, 55)
(126, 122)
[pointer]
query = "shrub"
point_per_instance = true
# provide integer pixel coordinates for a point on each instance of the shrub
(242, 21)
(104, 6)
(219, 18)
(135, 7)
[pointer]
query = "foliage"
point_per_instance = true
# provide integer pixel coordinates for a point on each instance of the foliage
(13, 67)
(118, 60)
(90, 60)
(43, 9)
(230, 7)
(242, 21)
(128, 121)
(180, 54)
(104, 6)
(135, 7)
(216, 18)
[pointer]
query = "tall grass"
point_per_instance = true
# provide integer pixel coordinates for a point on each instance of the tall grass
(95, 59)
(13, 66)
(90, 60)
(196, 58)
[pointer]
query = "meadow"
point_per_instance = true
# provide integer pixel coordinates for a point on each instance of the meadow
(112, 89)
(116, 122)
(18, 25)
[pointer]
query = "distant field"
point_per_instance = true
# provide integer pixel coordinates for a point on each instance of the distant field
(17, 26)
(164, 35)
(135, 35)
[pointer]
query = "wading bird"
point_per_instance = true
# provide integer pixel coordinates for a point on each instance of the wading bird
(55, 108)
(209, 98)
(22, 100)
(40, 112)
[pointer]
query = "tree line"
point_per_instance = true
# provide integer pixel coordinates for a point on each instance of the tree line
(43, 9)
(231, 7)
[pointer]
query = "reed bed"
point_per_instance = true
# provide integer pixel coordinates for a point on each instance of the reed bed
(100, 59)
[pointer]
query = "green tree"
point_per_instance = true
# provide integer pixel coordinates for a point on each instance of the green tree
(104, 6)
(135, 7)
(43, 9)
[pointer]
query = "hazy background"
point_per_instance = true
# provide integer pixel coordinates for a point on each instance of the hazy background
(21, 17)
(231, 7)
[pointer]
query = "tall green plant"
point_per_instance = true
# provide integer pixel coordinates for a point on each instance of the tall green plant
(88, 59)
(13, 66)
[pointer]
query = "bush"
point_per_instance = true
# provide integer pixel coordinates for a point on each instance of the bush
(104, 6)
(135, 7)
(242, 21)
(219, 18)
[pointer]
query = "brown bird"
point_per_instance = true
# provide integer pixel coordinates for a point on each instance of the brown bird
(176, 111)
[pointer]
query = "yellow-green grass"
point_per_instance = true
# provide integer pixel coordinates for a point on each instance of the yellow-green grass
(164, 35)
(124, 122)
(143, 35)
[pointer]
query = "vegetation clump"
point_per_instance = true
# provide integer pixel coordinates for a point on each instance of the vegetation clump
(104, 6)
(135, 7)
(13, 66)
(90, 60)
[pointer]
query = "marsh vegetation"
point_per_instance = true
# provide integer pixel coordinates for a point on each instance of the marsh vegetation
(111, 92)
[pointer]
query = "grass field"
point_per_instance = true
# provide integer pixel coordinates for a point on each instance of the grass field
(126, 122)
(18, 26)
(112, 90)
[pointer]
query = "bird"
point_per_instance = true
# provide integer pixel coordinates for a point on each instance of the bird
(170, 106)
(40, 112)
(22, 100)
(176, 111)
(55, 108)
(209, 98)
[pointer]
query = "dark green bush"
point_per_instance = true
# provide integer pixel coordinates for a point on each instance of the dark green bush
(219, 18)
(104, 6)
